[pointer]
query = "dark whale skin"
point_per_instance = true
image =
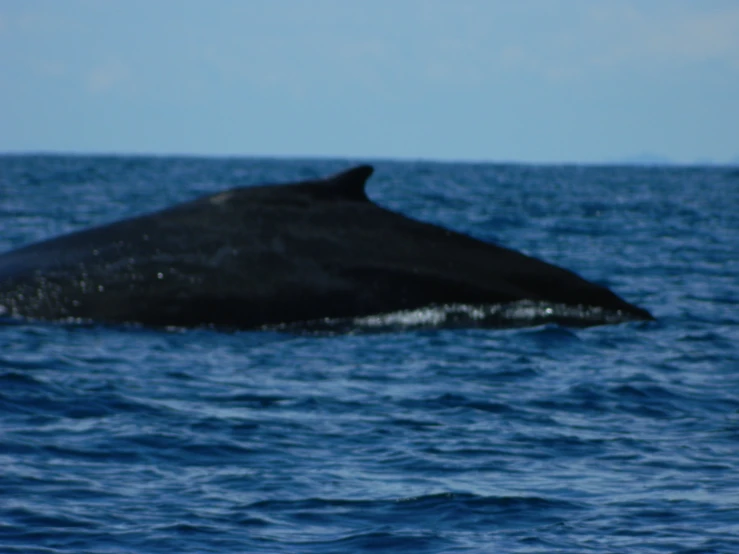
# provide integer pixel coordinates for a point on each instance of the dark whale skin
(277, 254)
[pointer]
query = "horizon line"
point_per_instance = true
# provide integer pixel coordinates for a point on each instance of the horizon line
(640, 160)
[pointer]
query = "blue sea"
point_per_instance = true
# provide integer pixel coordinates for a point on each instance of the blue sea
(545, 439)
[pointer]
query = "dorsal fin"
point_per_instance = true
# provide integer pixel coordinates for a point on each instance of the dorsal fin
(349, 184)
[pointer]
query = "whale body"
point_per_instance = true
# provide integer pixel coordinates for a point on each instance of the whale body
(282, 254)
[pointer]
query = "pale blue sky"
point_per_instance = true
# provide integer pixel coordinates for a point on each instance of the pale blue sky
(531, 80)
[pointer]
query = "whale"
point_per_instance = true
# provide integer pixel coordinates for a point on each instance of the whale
(288, 254)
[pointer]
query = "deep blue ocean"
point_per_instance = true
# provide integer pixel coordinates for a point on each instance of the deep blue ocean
(548, 439)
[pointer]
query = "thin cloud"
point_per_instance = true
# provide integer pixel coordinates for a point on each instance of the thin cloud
(107, 77)
(617, 36)
(673, 37)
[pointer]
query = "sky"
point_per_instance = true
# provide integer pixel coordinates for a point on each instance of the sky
(534, 81)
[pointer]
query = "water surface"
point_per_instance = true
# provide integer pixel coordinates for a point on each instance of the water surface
(619, 438)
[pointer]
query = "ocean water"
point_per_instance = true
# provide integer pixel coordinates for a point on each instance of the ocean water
(621, 438)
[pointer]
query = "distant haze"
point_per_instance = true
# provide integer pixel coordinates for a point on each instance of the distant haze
(528, 81)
